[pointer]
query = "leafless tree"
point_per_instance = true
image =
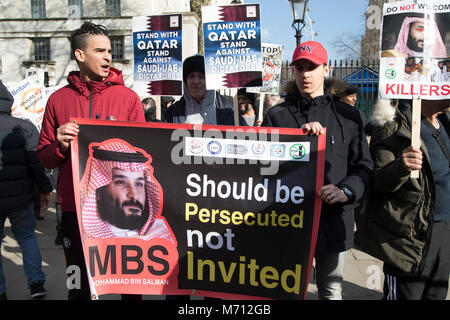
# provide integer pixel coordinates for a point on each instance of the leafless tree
(348, 45)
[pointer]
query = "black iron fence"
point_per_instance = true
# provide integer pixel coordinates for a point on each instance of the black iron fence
(363, 75)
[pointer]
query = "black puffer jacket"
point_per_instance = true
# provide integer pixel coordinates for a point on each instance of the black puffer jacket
(347, 159)
(19, 163)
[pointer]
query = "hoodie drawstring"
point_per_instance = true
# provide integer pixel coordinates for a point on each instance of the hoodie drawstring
(333, 107)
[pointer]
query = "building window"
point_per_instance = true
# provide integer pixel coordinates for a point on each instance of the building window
(46, 82)
(117, 48)
(75, 9)
(112, 8)
(38, 9)
(41, 49)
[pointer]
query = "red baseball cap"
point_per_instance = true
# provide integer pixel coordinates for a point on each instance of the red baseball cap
(312, 51)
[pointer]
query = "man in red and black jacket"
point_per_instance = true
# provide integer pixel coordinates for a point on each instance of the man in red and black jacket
(96, 91)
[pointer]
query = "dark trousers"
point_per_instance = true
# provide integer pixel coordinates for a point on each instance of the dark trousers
(73, 252)
(432, 283)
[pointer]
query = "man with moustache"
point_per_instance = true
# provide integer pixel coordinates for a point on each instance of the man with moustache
(410, 40)
(198, 105)
(96, 91)
(121, 203)
(120, 196)
(247, 107)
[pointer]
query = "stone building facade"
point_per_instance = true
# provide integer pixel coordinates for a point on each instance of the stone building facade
(35, 33)
(370, 43)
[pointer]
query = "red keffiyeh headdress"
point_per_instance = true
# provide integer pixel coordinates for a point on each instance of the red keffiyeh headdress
(439, 50)
(115, 153)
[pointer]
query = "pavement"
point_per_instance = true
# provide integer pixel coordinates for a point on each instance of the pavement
(363, 276)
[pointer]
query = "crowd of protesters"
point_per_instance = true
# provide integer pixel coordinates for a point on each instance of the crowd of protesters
(410, 229)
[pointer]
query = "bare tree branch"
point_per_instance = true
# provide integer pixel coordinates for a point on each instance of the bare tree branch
(349, 45)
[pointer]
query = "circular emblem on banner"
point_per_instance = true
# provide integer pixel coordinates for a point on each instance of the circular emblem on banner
(390, 73)
(214, 147)
(29, 100)
(258, 148)
(195, 146)
(278, 150)
(297, 151)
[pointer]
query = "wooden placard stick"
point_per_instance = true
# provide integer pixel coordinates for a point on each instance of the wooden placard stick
(415, 129)
(262, 96)
(158, 107)
(236, 109)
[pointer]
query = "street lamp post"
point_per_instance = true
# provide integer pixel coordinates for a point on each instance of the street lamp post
(298, 12)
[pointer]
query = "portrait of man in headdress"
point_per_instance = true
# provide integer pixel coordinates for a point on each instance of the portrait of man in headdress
(120, 197)
(410, 37)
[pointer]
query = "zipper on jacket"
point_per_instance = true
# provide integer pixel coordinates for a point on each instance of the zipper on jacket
(90, 99)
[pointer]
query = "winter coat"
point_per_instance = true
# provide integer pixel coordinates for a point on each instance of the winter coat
(105, 100)
(19, 164)
(347, 158)
(395, 225)
(176, 113)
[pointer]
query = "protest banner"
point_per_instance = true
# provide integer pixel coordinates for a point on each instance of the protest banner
(157, 43)
(272, 59)
(217, 211)
(38, 72)
(232, 42)
(30, 99)
(414, 56)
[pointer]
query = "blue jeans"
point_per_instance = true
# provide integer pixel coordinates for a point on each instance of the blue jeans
(23, 226)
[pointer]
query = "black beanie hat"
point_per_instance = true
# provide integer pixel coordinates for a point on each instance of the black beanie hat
(351, 90)
(193, 63)
(250, 95)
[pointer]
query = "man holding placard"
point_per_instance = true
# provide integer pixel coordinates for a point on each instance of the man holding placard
(96, 91)
(198, 105)
(406, 222)
(348, 164)
(409, 218)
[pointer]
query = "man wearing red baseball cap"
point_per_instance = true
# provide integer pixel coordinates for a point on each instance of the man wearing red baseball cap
(348, 165)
